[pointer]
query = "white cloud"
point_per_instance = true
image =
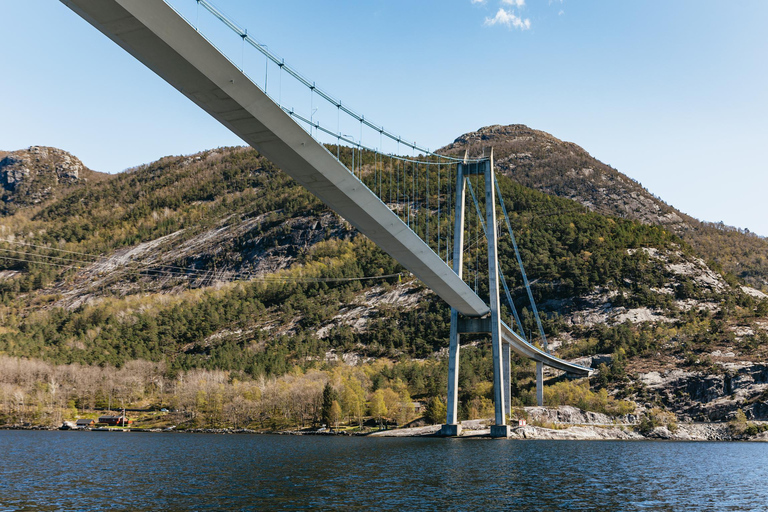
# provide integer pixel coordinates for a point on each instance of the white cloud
(516, 3)
(509, 19)
(478, 1)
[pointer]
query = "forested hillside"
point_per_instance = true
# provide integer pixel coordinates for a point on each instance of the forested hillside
(538, 160)
(217, 268)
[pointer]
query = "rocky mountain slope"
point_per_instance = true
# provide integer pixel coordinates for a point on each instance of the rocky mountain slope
(33, 175)
(219, 261)
(538, 160)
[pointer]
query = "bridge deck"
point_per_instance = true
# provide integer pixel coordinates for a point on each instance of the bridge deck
(525, 349)
(158, 37)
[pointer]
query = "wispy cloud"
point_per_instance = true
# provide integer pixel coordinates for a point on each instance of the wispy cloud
(508, 19)
(516, 3)
(478, 1)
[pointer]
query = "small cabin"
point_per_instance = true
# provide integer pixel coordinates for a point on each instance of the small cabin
(84, 423)
(115, 420)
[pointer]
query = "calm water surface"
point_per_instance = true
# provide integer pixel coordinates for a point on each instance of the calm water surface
(136, 471)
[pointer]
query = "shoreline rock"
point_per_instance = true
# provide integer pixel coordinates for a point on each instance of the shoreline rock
(481, 429)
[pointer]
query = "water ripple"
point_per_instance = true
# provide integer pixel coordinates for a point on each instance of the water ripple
(53, 471)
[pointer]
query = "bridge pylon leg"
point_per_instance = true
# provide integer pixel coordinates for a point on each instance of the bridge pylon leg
(539, 383)
(452, 426)
(500, 429)
(506, 354)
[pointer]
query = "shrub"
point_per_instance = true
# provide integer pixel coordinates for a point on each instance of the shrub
(578, 394)
(657, 417)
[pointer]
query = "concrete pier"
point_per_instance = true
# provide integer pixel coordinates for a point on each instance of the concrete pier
(500, 431)
(450, 430)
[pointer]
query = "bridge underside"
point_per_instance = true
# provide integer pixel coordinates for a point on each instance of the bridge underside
(158, 37)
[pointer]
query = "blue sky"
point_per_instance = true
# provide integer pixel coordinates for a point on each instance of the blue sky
(673, 94)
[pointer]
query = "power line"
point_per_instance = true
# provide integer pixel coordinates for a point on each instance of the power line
(238, 276)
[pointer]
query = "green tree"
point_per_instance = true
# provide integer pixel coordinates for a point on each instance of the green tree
(335, 414)
(353, 399)
(436, 412)
(329, 397)
(392, 402)
(378, 406)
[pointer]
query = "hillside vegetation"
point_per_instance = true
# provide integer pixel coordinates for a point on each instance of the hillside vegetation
(219, 267)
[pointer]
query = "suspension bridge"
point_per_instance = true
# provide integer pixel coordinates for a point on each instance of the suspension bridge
(412, 206)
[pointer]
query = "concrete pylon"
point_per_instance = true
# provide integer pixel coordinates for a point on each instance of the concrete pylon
(506, 355)
(539, 383)
(452, 426)
(500, 382)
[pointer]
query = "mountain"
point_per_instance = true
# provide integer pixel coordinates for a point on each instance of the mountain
(33, 175)
(540, 161)
(218, 262)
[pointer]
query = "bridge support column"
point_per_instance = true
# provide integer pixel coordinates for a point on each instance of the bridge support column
(539, 383)
(452, 427)
(501, 429)
(506, 355)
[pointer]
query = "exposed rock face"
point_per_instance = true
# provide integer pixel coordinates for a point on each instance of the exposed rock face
(575, 433)
(714, 397)
(567, 414)
(681, 272)
(32, 175)
(256, 246)
(366, 306)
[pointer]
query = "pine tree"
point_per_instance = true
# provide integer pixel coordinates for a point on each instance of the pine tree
(329, 396)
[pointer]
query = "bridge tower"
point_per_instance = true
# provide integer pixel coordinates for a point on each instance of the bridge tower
(490, 323)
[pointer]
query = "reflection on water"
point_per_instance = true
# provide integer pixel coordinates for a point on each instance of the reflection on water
(136, 471)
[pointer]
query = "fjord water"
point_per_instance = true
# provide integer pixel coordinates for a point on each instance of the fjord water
(136, 471)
